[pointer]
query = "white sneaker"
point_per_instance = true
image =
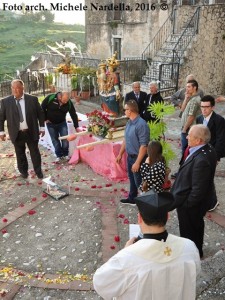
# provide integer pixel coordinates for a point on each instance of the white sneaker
(58, 159)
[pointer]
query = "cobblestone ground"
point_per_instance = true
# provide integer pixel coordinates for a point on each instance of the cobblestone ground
(54, 245)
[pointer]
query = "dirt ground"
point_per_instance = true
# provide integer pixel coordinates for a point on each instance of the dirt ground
(54, 245)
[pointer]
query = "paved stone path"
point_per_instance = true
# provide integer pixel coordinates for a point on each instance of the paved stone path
(48, 247)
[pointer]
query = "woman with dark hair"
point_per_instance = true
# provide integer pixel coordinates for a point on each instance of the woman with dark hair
(153, 171)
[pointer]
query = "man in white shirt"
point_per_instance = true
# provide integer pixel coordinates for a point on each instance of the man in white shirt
(158, 266)
(25, 122)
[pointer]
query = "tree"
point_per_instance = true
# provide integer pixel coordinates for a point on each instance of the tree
(47, 16)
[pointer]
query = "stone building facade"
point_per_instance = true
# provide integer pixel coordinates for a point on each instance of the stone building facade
(206, 55)
(125, 31)
(129, 33)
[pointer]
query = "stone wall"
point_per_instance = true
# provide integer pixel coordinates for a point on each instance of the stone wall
(206, 56)
(135, 29)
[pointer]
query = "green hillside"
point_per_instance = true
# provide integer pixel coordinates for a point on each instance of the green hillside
(22, 37)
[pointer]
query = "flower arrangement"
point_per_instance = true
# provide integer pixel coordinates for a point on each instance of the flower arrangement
(99, 123)
(66, 69)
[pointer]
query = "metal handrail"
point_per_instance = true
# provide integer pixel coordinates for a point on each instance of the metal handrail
(159, 38)
(186, 37)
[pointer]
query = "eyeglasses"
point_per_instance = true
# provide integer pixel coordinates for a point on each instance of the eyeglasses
(206, 106)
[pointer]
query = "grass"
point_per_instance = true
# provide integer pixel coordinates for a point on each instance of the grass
(20, 40)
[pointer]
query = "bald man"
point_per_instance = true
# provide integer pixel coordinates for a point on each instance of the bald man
(194, 185)
(55, 107)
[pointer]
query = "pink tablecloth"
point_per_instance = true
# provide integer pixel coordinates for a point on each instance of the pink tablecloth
(101, 158)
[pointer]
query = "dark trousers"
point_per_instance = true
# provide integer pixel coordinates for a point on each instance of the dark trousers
(184, 142)
(23, 139)
(191, 224)
(134, 177)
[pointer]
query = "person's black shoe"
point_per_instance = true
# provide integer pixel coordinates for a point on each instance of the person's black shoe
(127, 201)
(24, 175)
(174, 175)
(40, 175)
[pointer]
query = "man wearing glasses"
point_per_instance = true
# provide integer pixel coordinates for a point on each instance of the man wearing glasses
(216, 125)
(137, 136)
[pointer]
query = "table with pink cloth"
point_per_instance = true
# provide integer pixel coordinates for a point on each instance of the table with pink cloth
(101, 158)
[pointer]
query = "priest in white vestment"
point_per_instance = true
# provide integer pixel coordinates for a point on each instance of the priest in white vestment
(160, 266)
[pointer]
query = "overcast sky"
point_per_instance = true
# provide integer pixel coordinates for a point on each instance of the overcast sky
(67, 17)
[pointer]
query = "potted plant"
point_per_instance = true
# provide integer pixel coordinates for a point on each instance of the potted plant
(157, 130)
(85, 87)
(75, 88)
(49, 82)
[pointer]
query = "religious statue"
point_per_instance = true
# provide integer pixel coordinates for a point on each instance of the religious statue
(108, 83)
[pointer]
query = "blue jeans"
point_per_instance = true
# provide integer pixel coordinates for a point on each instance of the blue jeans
(184, 141)
(135, 178)
(56, 130)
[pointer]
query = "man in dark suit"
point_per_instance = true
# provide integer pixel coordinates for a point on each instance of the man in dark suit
(22, 113)
(194, 185)
(138, 96)
(153, 97)
(216, 125)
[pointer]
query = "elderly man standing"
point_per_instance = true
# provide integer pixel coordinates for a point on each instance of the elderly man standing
(153, 97)
(158, 266)
(24, 115)
(138, 96)
(55, 107)
(194, 185)
(137, 136)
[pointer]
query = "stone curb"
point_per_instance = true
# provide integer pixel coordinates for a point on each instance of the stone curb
(12, 289)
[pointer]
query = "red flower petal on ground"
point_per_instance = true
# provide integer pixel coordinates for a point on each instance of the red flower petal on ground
(112, 247)
(90, 135)
(115, 190)
(34, 199)
(27, 183)
(99, 187)
(4, 220)
(108, 184)
(126, 221)
(19, 183)
(209, 216)
(116, 238)
(20, 273)
(77, 189)
(122, 190)
(32, 212)
(4, 231)
(121, 216)
(21, 205)
(93, 186)
(44, 195)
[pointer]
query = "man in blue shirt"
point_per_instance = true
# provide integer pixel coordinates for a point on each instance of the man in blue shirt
(137, 136)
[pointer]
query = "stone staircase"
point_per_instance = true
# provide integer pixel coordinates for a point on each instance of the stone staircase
(164, 60)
